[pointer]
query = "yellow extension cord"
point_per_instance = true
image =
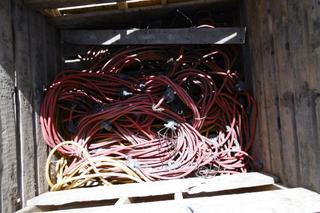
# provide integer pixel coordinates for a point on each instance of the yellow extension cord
(88, 171)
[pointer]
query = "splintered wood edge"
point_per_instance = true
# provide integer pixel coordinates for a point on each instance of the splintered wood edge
(288, 200)
(189, 185)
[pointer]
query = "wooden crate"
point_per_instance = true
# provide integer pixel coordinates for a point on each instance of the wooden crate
(247, 192)
(281, 59)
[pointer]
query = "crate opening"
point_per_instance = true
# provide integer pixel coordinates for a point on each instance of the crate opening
(150, 54)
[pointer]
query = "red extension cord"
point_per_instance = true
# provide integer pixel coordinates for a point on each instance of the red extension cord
(170, 111)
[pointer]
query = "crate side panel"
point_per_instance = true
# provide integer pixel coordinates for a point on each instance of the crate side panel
(24, 101)
(8, 154)
(284, 51)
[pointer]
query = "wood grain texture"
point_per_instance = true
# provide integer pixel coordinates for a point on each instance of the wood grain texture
(304, 105)
(286, 106)
(284, 43)
(23, 73)
(261, 149)
(270, 78)
(287, 200)
(189, 185)
(312, 14)
(8, 153)
(123, 17)
(155, 36)
(45, 4)
(24, 101)
(38, 60)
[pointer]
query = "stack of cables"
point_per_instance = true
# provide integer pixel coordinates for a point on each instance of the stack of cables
(145, 114)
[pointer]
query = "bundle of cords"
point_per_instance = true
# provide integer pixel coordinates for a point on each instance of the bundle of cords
(145, 114)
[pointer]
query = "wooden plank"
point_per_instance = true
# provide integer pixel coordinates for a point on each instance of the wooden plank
(47, 4)
(50, 4)
(190, 185)
(122, 17)
(303, 96)
(38, 60)
(270, 89)
(285, 82)
(156, 36)
(9, 199)
(24, 101)
(290, 200)
(312, 37)
(261, 148)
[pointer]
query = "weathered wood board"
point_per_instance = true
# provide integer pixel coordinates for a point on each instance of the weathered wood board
(284, 44)
(9, 188)
(23, 71)
(155, 36)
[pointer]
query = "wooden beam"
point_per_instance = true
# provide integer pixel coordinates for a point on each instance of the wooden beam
(52, 4)
(190, 186)
(156, 36)
(123, 17)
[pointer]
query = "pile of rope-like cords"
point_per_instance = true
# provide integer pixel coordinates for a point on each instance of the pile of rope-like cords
(145, 114)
